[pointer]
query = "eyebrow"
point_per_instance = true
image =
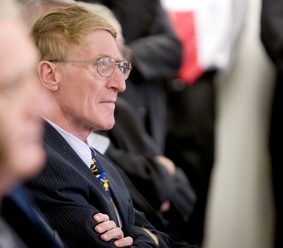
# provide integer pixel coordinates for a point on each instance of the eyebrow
(103, 55)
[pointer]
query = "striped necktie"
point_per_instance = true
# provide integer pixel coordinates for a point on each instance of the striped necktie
(97, 170)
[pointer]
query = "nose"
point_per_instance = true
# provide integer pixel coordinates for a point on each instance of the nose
(117, 80)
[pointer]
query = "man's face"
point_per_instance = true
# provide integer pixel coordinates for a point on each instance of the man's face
(87, 100)
(20, 105)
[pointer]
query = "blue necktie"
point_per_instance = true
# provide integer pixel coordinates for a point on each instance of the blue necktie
(98, 171)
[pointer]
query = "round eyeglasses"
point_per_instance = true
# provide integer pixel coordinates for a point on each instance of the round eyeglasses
(104, 66)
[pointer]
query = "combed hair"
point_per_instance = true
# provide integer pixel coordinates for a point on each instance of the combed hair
(58, 32)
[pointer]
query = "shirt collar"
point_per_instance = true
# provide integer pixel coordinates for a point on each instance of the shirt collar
(80, 147)
(99, 142)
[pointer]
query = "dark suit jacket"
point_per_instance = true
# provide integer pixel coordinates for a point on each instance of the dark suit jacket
(27, 221)
(69, 195)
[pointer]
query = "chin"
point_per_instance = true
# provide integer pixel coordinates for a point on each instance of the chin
(107, 125)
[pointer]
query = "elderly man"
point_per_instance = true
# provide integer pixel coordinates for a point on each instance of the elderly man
(82, 71)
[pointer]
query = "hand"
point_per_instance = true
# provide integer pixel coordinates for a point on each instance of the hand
(152, 235)
(108, 230)
(167, 163)
(165, 206)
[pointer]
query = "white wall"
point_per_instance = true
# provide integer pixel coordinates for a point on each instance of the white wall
(240, 211)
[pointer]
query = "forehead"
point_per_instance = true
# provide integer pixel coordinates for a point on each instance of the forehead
(17, 53)
(99, 43)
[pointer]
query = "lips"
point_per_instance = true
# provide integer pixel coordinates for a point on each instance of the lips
(108, 101)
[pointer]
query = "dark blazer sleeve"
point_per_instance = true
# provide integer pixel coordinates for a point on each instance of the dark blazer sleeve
(271, 31)
(69, 195)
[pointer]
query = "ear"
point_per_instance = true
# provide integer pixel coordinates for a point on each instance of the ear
(49, 75)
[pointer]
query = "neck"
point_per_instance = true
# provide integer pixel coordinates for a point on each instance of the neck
(78, 131)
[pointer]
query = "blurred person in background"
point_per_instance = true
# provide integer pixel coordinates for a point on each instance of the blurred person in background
(210, 37)
(272, 38)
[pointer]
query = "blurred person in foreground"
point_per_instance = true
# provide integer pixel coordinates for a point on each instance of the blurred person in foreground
(210, 38)
(21, 152)
(82, 72)
(19, 93)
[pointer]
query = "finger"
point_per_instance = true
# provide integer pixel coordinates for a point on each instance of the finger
(99, 217)
(127, 241)
(105, 226)
(114, 233)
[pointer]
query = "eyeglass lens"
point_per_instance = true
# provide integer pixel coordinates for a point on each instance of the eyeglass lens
(106, 66)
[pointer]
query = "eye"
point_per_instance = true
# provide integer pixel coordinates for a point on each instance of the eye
(105, 66)
(104, 62)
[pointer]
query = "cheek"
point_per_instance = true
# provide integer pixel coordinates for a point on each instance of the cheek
(25, 153)
(74, 91)
(22, 140)
(29, 161)
(9, 120)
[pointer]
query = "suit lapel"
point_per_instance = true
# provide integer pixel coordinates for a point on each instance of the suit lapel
(53, 139)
